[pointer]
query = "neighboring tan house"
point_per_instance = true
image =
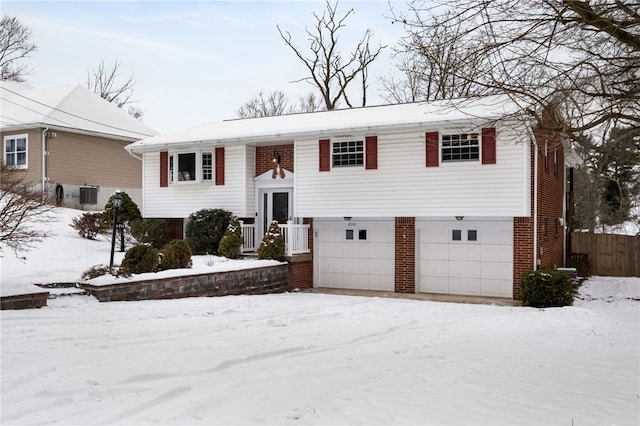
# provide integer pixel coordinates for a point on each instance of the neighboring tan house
(439, 197)
(71, 142)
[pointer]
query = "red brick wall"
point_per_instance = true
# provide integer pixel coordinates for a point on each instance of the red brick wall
(522, 250)
(405, 255)
(264, 154)
(301, 272)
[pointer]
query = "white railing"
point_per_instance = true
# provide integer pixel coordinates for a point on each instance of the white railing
(296, 238)
(249, 237)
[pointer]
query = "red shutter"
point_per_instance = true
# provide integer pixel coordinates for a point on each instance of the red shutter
(433, 153)
(325, 155)
(219, 165)
(489, 145)
(164, 169)
(371, 152)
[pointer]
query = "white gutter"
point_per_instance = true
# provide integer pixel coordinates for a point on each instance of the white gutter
(535, 196)
(44, 158)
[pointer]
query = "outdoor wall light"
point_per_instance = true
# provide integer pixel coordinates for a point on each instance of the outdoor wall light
(116, 203)
(459, 217)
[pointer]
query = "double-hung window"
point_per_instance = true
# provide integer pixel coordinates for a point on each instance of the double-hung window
(348, 153)
(207, 166)
(15, 151)
(460, 147)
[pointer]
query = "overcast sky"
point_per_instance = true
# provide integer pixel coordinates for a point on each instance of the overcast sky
(193, 62)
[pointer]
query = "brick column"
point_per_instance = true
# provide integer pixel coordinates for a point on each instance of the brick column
(522, 250)
(405, 255)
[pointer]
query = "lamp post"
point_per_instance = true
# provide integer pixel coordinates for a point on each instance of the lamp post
(116, 203)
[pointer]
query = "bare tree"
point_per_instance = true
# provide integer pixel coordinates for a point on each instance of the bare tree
(274, 103)
(106, 82)
(308, 103)
(330, 70)
(22, 206)
(15, 45)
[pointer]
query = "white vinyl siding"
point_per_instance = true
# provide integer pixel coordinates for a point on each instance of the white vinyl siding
(403, 186)
(182, 200)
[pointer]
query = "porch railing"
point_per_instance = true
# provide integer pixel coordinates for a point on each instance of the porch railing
(296, 238)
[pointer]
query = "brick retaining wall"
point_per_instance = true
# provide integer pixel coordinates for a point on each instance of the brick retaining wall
(24, 301)
(264, 280)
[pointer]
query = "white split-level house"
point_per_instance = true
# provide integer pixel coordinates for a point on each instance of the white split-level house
(456, 197)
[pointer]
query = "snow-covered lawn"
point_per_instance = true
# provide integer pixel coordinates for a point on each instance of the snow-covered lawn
(305, 358)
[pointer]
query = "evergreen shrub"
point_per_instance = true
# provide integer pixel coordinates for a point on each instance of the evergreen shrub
(155, 232)
(175, 255)
(546, 288)
(231, 243)
(205, 229)
(140, 259)
(272, 244)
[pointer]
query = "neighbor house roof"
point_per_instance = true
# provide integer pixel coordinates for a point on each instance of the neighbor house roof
(72, 108)
(336, 122)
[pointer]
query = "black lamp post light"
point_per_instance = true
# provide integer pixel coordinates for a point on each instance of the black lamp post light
(117, 202)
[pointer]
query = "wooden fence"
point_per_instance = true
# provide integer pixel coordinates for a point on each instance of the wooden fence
(609, 254)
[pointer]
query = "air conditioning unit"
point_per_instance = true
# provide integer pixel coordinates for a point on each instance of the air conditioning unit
(88, 195)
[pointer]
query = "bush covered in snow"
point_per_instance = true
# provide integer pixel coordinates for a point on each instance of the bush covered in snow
(231, 242)
(88, 225)
(272, 244)
(205, 229)
(546, 288)
(141, 258)
(175, 255)
(155, 232)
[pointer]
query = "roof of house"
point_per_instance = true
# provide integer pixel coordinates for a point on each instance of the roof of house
(72, 108)
(336, 122)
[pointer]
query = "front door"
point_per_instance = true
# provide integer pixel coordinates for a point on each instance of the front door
(275, 204)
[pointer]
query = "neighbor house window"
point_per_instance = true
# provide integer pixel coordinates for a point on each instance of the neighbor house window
(207, 166)
(15, 151)
(460, 147)
(187, 166)
(348, 153)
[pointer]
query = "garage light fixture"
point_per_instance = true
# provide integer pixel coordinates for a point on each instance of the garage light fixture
(459, 217)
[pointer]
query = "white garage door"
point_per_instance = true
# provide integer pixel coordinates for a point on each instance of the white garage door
(354, 254)
(468, 257)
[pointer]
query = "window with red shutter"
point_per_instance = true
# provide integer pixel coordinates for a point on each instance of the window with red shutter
(164, 169)
(489, 145)
(432, 152)
(371, 152)
(219, 153)
(324, 157)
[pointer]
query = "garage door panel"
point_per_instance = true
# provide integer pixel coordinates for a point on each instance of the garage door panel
(331, 250)
(434, 235)
(497, 237)
(464, 286)
(461, 269)
(496, 253)
(356, 281)
(434, 251)
(380, 266)
(434, 268)
(356, 266)
(496, 288)
(431, 284)
(382, 251)
(496, 270)
(381, 282)
(356, 250)
(464, 252)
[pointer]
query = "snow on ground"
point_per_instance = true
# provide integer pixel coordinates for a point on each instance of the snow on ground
(63, 257)
(308, 358)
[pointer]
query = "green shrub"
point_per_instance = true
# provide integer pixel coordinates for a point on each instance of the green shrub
(205, 229)
(155, 232)
(175, 255)
(546, 288)
(140, 259)
(231, 242)
(127, 212)
(88, 225)
(272, 244)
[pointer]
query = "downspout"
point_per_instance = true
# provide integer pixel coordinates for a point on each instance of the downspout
(44, 159)
(535, 196)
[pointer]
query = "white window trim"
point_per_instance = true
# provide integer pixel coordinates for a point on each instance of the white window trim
(452, 133)
(173, 173)
(24, 136)
(351, 139)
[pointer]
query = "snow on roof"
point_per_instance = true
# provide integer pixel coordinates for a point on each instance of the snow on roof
(72, 108)
(336, 122)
